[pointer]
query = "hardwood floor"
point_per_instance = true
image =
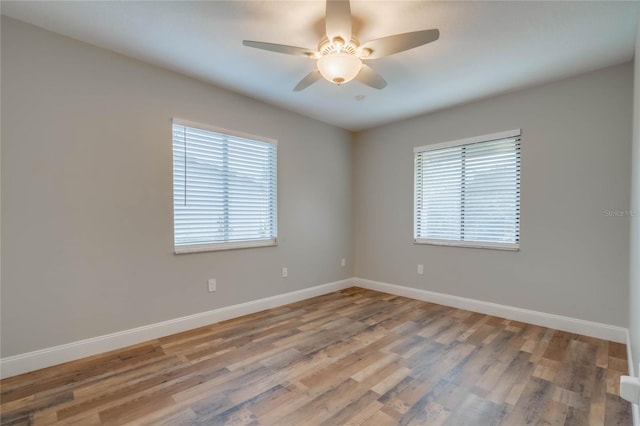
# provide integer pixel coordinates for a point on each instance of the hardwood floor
(351, 357)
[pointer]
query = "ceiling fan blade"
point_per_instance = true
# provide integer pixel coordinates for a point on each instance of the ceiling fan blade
(338, 20)
(386, 46)
(280, 48)
(370, 77)
(308, 80)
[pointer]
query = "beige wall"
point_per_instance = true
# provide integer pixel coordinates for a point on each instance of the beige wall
(87, 202)
(576, 149)
(634, 274)
(87, 210)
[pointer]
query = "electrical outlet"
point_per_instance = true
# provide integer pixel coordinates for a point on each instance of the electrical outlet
(343, 262)
(420, 269)
(212, 285)
(285, 272)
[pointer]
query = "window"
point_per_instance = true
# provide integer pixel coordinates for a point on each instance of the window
(467, 192)
(224, 190)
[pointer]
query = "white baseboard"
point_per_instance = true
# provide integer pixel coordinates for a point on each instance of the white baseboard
(559, 322)
(31, 361)
(23, 363)
(635, 408)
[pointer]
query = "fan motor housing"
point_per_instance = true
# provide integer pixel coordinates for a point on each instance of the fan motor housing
(327, 47)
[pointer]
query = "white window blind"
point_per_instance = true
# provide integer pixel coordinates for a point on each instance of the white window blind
(224, 190)
(467, 192)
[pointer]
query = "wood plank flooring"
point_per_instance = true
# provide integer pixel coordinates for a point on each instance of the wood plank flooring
(347, 358)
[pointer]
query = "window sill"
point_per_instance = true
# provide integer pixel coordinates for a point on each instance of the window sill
(470, 244)
(199, 248)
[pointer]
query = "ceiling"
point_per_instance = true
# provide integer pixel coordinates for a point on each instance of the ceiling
(485, 48)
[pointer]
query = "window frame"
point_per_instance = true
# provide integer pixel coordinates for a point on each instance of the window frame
(223, 245)
(465, 243)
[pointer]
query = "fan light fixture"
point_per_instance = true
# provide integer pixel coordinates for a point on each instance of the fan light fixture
(339, 67)
(340, 55)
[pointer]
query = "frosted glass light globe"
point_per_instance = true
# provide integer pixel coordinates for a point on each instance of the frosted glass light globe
(339, 67)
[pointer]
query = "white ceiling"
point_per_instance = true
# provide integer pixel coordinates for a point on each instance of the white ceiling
(484, 48)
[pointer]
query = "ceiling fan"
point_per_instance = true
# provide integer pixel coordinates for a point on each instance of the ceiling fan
(339, 55)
